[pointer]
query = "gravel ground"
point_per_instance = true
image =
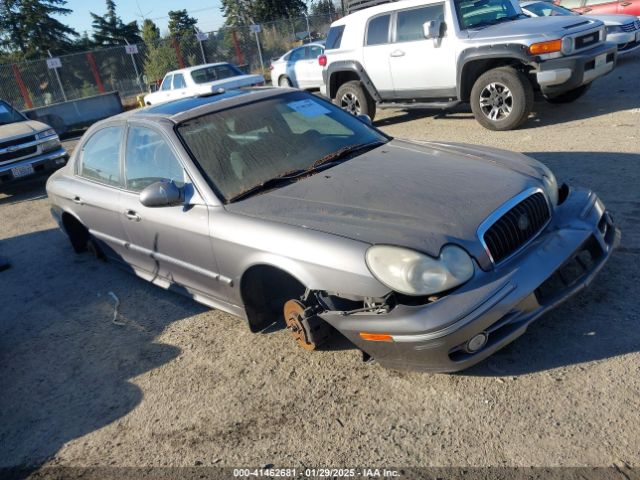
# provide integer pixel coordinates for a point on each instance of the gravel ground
(181, 385)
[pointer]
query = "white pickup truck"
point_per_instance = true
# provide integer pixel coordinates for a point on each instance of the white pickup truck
(201, 80)
(27, 146)
(436, 54)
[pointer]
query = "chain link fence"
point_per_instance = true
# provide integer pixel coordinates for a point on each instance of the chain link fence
(131, 69)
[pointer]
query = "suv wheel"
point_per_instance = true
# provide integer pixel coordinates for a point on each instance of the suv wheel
(501, 99)
(570, 96)
(353, 98)
(284, 82)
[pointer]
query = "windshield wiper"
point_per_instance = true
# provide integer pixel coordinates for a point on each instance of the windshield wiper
(321, 164)
(488, 23)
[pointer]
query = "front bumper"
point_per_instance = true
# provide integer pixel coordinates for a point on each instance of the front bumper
(500, 303)
(43, 163)
(564, 74)
(626, 41)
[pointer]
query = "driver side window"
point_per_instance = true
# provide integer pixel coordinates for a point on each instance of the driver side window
(150, 159)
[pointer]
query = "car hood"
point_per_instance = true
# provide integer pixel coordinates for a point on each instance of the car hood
(417, 195)
(547, 27)
(20, 129)
(614, 19)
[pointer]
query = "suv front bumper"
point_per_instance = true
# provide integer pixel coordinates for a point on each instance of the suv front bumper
(501, 303)
(43, 163)
(564, 74)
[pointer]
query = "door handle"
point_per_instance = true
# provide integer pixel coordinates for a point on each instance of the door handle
(398, 53)
(78, 200)
(625, 4)
(131, 215)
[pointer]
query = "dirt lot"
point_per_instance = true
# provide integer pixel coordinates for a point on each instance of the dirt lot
(181, 385)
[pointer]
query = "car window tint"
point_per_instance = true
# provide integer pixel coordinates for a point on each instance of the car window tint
(314, 52)
(334, 38)
(571, 3)
(378, 30)
(149, 159)
(297, 55)
(101, 156)
(166, 83)
(410, 22)
(214, 73)
(178, 81)
(546, 9)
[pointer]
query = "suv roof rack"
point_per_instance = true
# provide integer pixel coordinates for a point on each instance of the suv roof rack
(355, 5)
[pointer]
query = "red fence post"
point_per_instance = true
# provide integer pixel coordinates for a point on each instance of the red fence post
(236, 44)
(23, 88)
(94, 70)
(176, 45)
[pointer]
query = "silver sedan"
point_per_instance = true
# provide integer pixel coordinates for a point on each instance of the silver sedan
(278, 207)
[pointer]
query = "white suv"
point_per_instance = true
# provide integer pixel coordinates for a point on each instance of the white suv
(438, 53)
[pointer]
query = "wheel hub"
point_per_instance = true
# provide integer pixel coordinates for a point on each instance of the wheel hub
(350, 103)
(294, 317)
(496, 101)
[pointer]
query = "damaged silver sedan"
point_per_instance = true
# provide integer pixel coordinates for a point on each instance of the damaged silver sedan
(274, 205)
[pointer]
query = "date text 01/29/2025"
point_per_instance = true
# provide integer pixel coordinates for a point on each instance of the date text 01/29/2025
(315, 473)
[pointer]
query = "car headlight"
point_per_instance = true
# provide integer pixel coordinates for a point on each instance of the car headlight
(50, 145)
(614, 29)
(551, 186)
(412, 273)
(46, 133)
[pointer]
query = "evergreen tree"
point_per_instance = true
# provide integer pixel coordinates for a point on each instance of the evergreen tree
(245, 12)
(27, 27)
(181, 24)
(110, 30)
(160, 57)
(322, 8)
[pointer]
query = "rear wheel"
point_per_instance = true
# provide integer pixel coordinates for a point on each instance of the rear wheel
(501, 99)
(284, 81)
(570, 96)
(353, 98)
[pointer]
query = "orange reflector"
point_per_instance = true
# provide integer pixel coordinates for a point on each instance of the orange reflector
(376, 337)
(545, 47)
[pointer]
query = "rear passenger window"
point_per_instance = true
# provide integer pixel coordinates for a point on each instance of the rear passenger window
(101, 156)
(334, 38)
(571, 3)
(178, 81)
(150, 159)
(314, 52)
(378, 30)
(410, 22)
(297, 55)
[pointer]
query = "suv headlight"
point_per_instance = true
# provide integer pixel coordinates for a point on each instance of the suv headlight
(412, 273)
(551, 187)
(46, 133)
(567, 46)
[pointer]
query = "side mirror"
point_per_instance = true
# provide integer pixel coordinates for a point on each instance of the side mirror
(365, 119)
(161, 194)
(432, 29)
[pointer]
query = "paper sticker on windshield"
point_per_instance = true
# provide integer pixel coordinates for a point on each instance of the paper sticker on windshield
(308, 108)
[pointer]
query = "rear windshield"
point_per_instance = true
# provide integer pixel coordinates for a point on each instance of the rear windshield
(245, 146)
(8, 114)
(334, 39)
(215, 73)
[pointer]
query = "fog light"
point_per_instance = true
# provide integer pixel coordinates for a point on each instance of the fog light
(477, 342)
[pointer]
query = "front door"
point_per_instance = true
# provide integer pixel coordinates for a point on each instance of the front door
(173, 242)
(422, 68)
(377, 52)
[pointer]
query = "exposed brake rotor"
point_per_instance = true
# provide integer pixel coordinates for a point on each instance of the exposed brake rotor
(308, 331)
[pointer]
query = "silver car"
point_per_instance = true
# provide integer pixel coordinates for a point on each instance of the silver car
(276, 206)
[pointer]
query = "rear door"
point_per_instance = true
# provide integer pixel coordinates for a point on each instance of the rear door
(314, 70)
(377, 53)
(169, 242)
(96, 191)
(179, 89)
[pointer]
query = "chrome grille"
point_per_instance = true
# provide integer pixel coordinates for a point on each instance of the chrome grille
(15, 154)
(630, 27)
(516, 227)
(17, 141)
(585, 41)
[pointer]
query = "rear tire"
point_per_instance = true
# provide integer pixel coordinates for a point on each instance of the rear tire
(501, 99)
(353, 98)
(570, 96)
(284, 82)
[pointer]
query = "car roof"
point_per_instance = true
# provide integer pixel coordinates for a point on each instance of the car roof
(178, 111)
(198, 67)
